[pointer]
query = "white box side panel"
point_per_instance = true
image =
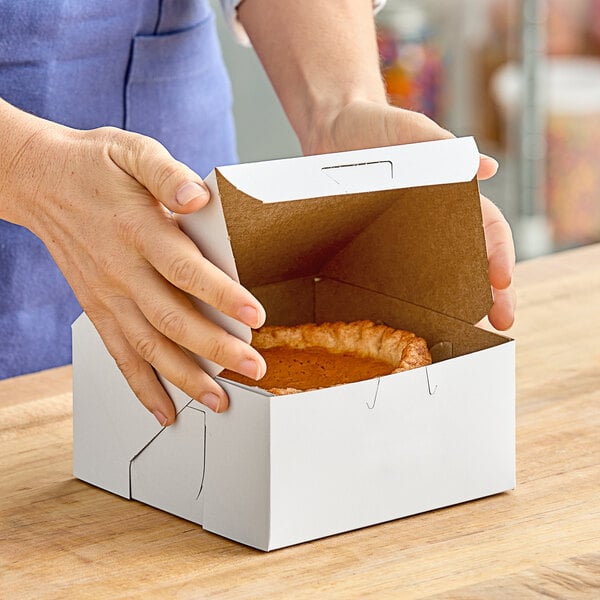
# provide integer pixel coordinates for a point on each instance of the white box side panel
(168, 474)
(340, 460)
(109, 424)
(236, 476)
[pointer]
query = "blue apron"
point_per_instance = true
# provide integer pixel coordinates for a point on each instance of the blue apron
(151, 66)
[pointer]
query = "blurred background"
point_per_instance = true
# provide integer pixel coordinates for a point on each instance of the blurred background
(522, 76)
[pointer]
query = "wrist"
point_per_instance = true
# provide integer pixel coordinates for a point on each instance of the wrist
(369, 124)
(321, 57)
(31, 155)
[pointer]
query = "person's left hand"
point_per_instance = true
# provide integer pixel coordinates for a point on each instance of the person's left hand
(364, 124)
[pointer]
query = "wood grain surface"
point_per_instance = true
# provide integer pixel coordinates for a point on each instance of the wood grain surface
(60, 538)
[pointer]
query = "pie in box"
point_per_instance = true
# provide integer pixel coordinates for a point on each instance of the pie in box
(307, 357)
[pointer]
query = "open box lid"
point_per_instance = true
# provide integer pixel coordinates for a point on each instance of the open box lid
(404, 221)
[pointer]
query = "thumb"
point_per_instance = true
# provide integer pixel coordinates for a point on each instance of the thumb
(171, 182)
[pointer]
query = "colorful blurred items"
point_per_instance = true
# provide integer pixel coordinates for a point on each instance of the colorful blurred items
(573, 178)
(571, 94)
(573, 140)
(594, 20)
(411, 65)
(570, 28)
(568, 25)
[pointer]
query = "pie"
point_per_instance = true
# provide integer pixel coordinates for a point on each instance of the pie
(308, 357)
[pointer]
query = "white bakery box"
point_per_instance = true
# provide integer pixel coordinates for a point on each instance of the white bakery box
(389, 234)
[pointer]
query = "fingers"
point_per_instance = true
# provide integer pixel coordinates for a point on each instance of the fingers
(501, 263)
(502, 313)
(171, 182)
(138, 373)
(499, 244)
(180, 262)
(157, 331)
(168, 358)
(171, 313)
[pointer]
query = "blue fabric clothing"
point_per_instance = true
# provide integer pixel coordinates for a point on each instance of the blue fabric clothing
(151, 66)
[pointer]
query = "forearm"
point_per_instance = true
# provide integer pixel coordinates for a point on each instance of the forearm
(320, 57)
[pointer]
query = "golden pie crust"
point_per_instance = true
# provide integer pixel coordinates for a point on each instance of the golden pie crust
(310, 356)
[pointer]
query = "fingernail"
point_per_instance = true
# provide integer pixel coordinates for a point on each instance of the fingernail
(160, 417)
(251, 368)
(489, 158)
(249, 315)
(189, 191)
(211, 400)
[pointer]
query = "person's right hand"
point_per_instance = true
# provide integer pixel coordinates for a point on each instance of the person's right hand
(370, 124)
(101, 201)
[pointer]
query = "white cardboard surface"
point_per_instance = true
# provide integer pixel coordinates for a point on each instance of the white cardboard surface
(181, 447)
(276, 471)
(109, 424)
(209, 232)
(392, 167)
(386, 448)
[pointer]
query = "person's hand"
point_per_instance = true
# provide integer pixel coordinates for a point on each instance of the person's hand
(101, 201)
(364, 124)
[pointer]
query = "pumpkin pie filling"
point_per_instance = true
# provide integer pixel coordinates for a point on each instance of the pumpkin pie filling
(310, 368)
(307, 357)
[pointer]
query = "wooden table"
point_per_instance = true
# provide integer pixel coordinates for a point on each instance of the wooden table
(60, 538)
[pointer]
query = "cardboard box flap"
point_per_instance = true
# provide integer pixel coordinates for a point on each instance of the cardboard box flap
(433, 257)
(402, 220)
(279, 241)
(391, 167)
